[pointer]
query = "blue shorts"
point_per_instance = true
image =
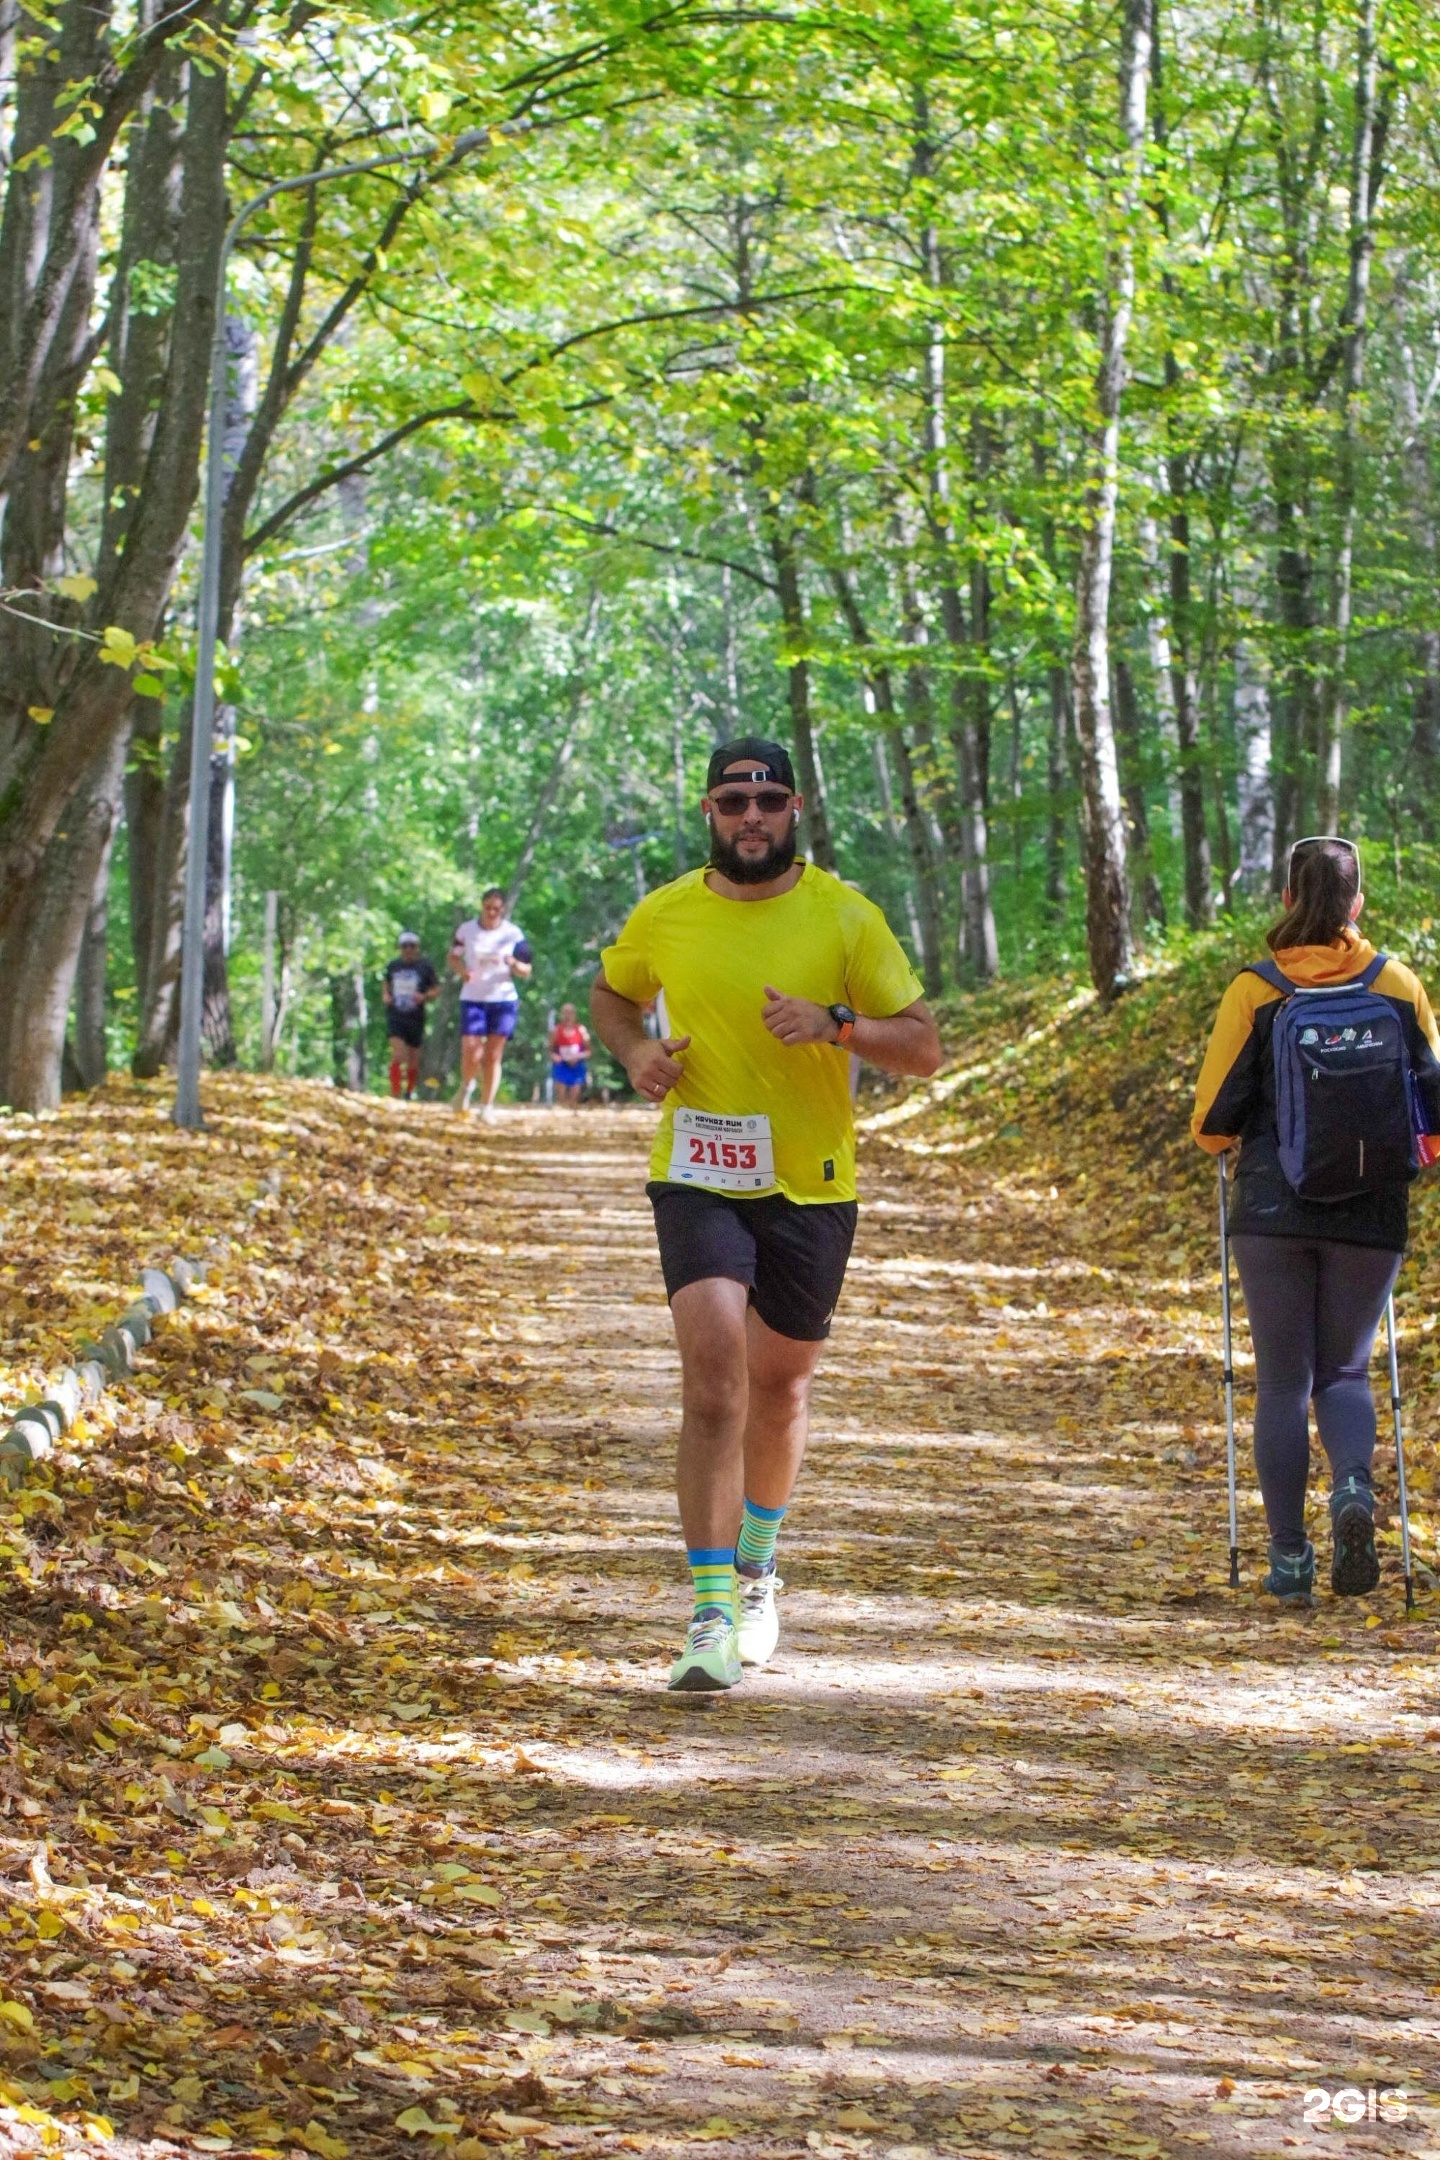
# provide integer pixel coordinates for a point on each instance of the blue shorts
(568, 1075)
(498, 1017)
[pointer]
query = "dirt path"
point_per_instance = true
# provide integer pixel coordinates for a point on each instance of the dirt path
(372, 1827)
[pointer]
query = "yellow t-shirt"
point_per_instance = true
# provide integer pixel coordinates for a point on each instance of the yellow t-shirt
(713, 957)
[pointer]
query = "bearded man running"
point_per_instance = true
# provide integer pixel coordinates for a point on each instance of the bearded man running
(772, 970)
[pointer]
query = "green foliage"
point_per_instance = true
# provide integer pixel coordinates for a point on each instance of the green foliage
(705, 294)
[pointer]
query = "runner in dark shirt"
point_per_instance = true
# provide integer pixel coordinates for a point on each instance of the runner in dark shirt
(410, 985)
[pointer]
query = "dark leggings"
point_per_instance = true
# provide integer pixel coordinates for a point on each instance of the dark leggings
(1314, 1306)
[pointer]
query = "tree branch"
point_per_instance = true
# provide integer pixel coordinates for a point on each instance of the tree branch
(665, 547)
(466, 409)
(333, 476)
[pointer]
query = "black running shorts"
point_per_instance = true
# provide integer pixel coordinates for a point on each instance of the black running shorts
(405, 1027)
(790, 1258)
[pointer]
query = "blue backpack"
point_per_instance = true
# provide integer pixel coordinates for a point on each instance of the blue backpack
(1343, 1111)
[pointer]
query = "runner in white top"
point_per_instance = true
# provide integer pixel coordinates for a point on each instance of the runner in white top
(489, 953)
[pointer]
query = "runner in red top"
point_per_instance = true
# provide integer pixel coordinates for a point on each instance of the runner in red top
(569, 1048)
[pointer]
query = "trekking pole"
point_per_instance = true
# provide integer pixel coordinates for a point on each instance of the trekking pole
(1399, 1454)
(1230, 1378)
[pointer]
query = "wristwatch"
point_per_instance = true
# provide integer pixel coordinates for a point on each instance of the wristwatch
(844, 1020)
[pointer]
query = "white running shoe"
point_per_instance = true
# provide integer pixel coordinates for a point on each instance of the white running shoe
(759, 1629)
(711, 1657)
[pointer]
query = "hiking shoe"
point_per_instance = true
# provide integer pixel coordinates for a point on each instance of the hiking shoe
(1292, 1576)
(711, 1658)
(759, 1621)
(1354, 1565)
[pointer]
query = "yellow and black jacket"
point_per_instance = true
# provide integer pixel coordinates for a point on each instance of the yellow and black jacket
(1235, 1098)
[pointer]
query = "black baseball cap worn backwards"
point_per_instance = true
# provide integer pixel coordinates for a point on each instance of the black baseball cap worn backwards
(767, 760)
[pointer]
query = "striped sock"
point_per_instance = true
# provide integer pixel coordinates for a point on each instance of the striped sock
(759, 1528)
(712, 1569)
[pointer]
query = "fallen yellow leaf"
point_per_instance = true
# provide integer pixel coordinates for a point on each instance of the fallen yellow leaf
(416, 2123)
(317, 2139)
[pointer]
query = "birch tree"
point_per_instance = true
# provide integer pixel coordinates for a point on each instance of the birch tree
(1107, 893)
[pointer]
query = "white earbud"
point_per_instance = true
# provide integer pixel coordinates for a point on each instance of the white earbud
(794, 817)
(708, 819)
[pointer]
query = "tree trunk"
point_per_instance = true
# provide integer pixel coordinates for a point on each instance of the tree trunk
(1185, 694)
(885, 781)
(1130, 746)
(680, 711)
(730, 657)
(930, 935)
(1222, 835)
(1182, 708)
(880, 691)
(144, 823)
(982, 718)
(270, 1011)
(1107, 894)
(1257, 808)
(43, 938)
(1017, 786)
(1366, 179)
(979, 950)
(217, 1022)
(1425, 738)
(1157, 645)
(937, 798)
(1299, 214)
(91, 1051)
(1061, 735)
(1057, 779)
(140, 333)
(167, 828)
(35, 663)
(52, 801)
(54, 174)
(348, 1021)
(1294, 715)
(781, 542)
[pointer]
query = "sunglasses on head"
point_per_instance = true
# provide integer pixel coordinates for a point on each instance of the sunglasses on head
(1315, 840)
(768, 801)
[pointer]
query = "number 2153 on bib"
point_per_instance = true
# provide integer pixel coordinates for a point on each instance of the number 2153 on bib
(724, 1154)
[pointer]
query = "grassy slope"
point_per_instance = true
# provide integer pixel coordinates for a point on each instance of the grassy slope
(1046, 1088)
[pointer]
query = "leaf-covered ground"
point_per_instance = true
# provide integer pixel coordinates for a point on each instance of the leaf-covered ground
(342, 1805)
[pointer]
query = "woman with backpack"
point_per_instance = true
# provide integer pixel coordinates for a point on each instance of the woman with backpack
(1323, 1065)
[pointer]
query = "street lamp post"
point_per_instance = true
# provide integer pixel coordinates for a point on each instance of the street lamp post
(202, 724)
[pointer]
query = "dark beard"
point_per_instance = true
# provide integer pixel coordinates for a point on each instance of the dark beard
(751, 870)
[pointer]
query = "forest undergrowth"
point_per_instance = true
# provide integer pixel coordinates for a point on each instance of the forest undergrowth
(343, 1810)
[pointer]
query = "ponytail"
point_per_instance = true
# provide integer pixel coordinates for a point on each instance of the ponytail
(1325, 881)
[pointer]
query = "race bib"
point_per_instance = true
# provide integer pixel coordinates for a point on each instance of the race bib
(724, 1154)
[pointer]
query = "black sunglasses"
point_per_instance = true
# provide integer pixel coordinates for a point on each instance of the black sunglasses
(768, 801)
